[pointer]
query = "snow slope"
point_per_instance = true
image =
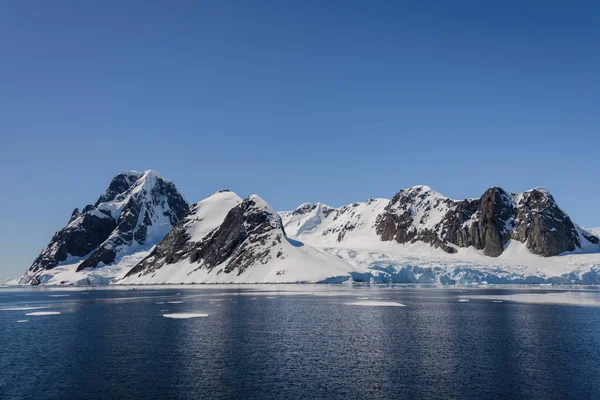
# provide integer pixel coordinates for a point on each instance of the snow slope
(351, 226)
(208, 214)
(68, 273)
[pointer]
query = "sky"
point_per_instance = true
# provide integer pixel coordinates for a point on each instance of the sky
(331, 101)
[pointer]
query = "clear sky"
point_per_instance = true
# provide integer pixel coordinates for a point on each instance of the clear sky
(331, 101)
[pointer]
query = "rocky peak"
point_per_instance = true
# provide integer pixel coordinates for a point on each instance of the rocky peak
(542, 225)
(74, 215)
(246, 235)
(486, 223)
(119, 184)
(136, 210)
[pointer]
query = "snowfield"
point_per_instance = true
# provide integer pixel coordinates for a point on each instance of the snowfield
(67, 274)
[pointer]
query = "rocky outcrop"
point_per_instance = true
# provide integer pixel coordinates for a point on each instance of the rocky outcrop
(136, 210)
(487, 223)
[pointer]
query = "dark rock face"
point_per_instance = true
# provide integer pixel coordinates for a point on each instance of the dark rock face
(120, 184)
(76, 239)
(543, 226)
(487, 223)
(402, 223)
(244, 238)
(100, 231)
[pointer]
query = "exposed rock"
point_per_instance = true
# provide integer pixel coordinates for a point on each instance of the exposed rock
(184, 239)
(542, 225)
(487, 223)
(242, 239)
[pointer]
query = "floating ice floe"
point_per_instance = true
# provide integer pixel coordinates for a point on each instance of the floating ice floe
(42, 313)
(22, 320)
(376, 304)
(22, 308)
(174, 302)
(184, 315)
(59, 295)
(160, 302)
(463, 300)
(498, 301)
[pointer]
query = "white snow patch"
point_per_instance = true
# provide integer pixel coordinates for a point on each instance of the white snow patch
(209, 213)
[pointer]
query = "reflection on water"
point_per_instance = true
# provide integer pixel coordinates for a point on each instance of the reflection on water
(301, 342)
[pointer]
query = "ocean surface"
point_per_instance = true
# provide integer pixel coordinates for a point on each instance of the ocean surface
(299, 342)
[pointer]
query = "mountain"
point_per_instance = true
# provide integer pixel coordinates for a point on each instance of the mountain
(421, 215)
(487, 223)
(242, 241)
(141, 231)
(137, 210)
(321, 225)
(421, 236)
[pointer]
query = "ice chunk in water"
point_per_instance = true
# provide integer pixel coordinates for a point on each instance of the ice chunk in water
(184, 315)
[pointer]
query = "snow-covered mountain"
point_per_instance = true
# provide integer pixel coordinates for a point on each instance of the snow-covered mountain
(488, 223)
(419, 214)
(229, 240)
(422, 236)
(142, 231)
(137, 210)
(320, 225)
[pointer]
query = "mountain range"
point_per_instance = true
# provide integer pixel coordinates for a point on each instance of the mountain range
(142, 231)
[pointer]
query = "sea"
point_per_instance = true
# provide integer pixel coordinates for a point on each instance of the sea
(300, 342)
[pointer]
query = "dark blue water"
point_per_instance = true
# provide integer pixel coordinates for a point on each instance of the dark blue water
(115, 344)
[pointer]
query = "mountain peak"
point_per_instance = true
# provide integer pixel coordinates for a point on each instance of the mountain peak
(419, 188)
(136, 211)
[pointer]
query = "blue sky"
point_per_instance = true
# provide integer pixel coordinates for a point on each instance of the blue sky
(332, 101)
